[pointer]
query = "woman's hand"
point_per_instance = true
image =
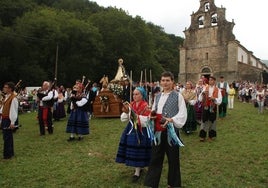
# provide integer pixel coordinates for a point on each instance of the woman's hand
(125, 107)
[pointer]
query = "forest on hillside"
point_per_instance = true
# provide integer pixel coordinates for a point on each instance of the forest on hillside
(83, 38)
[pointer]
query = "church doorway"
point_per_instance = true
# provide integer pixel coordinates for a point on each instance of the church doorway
(206, 72)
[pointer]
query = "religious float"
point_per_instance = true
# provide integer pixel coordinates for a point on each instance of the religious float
(108, 102)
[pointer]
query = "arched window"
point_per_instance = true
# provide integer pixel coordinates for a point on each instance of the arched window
(207, 7)
(214, 19)
(201, 21)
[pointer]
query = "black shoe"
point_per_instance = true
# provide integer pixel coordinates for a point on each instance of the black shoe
(80, 138)
(7, 157)
(71, 139)
(135, 178)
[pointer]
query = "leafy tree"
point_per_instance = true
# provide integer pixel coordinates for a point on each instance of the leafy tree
(11, 9)
(79, 42)
(90, 40)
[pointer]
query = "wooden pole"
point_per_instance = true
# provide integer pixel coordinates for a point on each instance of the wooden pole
(150, 76)
(56, 63)
(130, 85)
(151, 86)
(145, 85)
(141, 78)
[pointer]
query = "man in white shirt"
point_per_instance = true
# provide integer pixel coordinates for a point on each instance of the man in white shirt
(211, 97)
(224, 88)
(9, 113)
(170, 106)
(46, 97)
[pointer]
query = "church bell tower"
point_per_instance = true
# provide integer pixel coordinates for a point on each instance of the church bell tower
(205, 49)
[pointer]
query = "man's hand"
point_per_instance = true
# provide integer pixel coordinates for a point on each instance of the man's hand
(169, 119)
(12, 126)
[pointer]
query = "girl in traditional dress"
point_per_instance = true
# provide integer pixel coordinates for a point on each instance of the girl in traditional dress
(78, 122)
(135, 146)
(190, 98)
(198, 105)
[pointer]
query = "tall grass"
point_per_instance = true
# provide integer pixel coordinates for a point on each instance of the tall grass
(237, 158)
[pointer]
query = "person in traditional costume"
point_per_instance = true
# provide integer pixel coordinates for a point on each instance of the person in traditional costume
(58, 108)
(171, 114)
(9, 111)
(198, 105)
(224, 88)
(210, 97)
(190, 98)
(46, 98)
(135, 145)
(78, 122)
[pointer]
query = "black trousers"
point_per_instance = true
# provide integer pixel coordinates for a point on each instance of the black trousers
(8, 139)
(156, 164)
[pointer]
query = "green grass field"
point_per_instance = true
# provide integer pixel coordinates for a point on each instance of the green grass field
(238, 158)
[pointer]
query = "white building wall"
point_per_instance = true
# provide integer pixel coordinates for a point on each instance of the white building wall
(253, 61)
(242, 55)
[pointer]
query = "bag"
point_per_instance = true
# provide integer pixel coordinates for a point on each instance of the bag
(256, 105)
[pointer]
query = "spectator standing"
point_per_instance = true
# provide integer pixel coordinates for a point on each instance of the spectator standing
(260, 97)
(231, 96)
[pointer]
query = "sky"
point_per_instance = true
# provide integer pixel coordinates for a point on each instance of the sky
(251, 28)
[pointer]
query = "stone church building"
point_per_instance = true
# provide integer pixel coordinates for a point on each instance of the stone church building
(210, 48)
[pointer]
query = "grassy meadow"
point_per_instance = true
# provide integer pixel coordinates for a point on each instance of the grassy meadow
(238, 158)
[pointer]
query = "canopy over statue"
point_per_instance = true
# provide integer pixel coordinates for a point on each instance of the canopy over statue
(120, 71)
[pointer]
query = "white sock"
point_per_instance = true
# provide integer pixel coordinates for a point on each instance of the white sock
(72, 135)
(137, 171)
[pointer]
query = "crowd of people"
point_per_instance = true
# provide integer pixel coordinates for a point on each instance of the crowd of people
(155, 113)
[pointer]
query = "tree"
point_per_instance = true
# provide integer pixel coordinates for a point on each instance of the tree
(11, 9)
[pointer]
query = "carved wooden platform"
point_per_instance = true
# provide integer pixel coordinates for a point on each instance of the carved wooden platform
(112, 107)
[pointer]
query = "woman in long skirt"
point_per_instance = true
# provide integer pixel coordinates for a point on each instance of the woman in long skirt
(78, 122)
(135, 145)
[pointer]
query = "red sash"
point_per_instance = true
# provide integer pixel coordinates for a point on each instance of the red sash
(158, 126)
(45, 114)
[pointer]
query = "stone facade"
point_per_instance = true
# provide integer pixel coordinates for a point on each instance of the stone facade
(210, 48)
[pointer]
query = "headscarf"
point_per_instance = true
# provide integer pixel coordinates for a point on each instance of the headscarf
(142, 91)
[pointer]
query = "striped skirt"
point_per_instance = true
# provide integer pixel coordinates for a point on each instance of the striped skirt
(130, 151)
(78, 122)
